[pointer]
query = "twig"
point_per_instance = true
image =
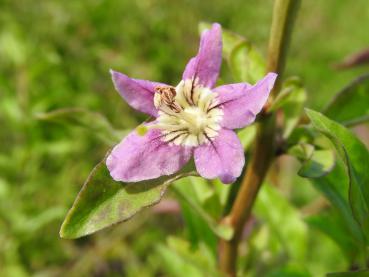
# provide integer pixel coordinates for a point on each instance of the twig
(263, 154)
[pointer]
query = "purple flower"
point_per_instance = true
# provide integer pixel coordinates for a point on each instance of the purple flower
(193, 118)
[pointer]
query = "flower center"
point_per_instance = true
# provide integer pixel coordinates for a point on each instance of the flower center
(189, 114)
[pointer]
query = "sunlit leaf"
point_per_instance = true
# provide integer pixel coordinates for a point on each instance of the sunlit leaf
(320, 163)
(180, 259)
(246, 63)
(103, 202)
(350, 106)
(247, 136)
(12, 48)
(355, 156)
(302, 151)
(175, 264)
(292, 104)
(284, 221)
(182, 192)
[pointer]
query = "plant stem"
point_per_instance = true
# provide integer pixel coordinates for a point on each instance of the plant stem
(264, 150)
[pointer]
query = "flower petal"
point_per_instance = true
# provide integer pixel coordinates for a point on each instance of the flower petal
(138, 158)
(242, 102)
(139, 94)
(206, 64)
(223, 157)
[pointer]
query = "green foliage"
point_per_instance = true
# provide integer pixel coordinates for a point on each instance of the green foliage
(320, 163)
(223, 231)
(315, 163)
(334, 225)
(103, 202)
(350, 106)
(291, 102)
(356, 158)
(64, 63)
(182, 261)
(202, 205)
(275, 211)
(246, 63)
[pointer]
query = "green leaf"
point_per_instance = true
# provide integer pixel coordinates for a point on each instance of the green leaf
(180, 259)
(176, 265)
(315, 163)
(355, 156)
(221, 230)
(292, 104)
(276, 211)
(103, 202)
(289, 271)
(302, 134)
(286, 95)
(95, 122)
(334, 186)
(333, 225)
(319, 164)
(302, 151)
(350, 106)
(247, 136)
(246, 63)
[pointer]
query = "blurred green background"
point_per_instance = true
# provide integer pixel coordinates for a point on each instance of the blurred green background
(56, 54)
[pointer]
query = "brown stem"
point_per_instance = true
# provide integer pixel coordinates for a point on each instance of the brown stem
(264, 150)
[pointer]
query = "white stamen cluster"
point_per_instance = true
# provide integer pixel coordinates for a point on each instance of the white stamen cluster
(189, 114)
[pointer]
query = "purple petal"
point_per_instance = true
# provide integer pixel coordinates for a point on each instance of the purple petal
(139, 94)
(242, 102)
(138, 158)
(223, 158)
(206, 64)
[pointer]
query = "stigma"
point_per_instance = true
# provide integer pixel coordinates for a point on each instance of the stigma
(189, 114)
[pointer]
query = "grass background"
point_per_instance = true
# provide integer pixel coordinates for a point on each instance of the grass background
(56, 54)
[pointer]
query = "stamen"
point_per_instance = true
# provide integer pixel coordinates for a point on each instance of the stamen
(188, 114)
(165, 96)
